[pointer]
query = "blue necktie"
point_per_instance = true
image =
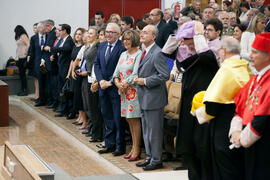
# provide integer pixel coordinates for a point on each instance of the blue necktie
(42, 41)
(108, 54)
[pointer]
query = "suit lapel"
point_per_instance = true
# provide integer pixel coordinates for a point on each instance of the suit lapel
(147, 57)
(115, 48)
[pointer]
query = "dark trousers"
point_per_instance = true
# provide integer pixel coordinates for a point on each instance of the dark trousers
(96, 117)
(54, 88)
(48, 84)
(22, 69)
(199, 162)
(85, 97)
(42, 87)
(110, 108)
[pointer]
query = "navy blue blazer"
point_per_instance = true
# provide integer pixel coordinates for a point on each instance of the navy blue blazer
(64, 57)
(49, 41)
(35, 52)
(105, 71)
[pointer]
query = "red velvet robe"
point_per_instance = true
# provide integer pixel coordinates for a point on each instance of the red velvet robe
(253, 106)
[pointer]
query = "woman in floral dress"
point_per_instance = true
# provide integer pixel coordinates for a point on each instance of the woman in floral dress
(124, 74)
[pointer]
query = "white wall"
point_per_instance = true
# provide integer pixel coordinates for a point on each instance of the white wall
(28, 12)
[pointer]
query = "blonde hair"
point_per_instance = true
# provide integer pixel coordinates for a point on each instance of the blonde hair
(117, 17)
(253, 23)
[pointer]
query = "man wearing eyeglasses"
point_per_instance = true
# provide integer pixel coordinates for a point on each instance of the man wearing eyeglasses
(156, 16)
(107, 58)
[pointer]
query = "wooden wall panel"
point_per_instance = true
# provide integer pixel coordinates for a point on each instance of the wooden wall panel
(137, 8)
(133, 8)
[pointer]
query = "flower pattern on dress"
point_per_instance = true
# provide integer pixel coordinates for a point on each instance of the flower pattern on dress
(123, 111)
(121, 61)
(130, 93)
(122, 100)
(130, 108)
(121, 77)
(130, 61)
(129, 71)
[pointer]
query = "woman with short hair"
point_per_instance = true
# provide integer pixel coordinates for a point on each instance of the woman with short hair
(125, 71)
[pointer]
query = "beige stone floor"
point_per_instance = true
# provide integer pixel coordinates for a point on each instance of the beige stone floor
(56, 140)
(52, 145)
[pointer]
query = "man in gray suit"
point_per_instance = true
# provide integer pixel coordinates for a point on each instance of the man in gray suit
(153, 73)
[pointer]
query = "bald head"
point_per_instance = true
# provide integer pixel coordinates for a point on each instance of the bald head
(156, 15)
(148, 35)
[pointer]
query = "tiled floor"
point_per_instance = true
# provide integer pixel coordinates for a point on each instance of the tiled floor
(56, 141)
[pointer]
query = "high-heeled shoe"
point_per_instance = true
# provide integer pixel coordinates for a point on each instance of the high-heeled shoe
(134, 158)
(127, 156)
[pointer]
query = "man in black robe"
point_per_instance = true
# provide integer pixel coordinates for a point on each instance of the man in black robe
(193, 139)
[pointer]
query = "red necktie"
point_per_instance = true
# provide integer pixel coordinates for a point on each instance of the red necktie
(55, 42)
(143, 55)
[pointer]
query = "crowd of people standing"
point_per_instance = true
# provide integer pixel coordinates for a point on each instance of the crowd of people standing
(117, 74)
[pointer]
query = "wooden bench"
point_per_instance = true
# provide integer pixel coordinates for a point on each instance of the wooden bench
(20, 162)
(3, 104)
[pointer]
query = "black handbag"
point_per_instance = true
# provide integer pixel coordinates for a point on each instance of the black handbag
(66, 92)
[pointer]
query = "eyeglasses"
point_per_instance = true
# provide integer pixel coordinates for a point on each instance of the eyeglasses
(127, 39)
(210, 30)
(110, 32)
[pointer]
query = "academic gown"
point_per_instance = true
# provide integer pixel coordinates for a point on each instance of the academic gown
(230, 78)
(193, 139)
(254, 109)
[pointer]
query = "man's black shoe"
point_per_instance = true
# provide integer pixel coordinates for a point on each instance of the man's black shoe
(151, 167)
(59, 115)
(143, 163)
(22, 93)
(118, 152)
(85, 132)
(106, 150)
(51, 106)
(38, 104)
(94, 140)
(71, 116)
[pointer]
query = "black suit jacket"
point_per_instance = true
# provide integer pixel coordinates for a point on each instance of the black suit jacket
(50, 38)
(261, 9)
(165, 32)
(105, 71)
(161, 24)
(35, 53)
(267, 27)
(64, 57)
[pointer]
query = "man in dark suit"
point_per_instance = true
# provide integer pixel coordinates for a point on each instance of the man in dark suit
(50, 30)
(54, 70)
(35, 54)
(260, 5)
(107, 58)
(165, 32)
(153, 73)
(64, 57)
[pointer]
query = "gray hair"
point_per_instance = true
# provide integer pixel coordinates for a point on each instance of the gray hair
(155, 30)
(231, 44)
(48, 22)
(114, 25)
(40, 25)
(170, 10)
(95, 28)
(185, 18)
(221, 13)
